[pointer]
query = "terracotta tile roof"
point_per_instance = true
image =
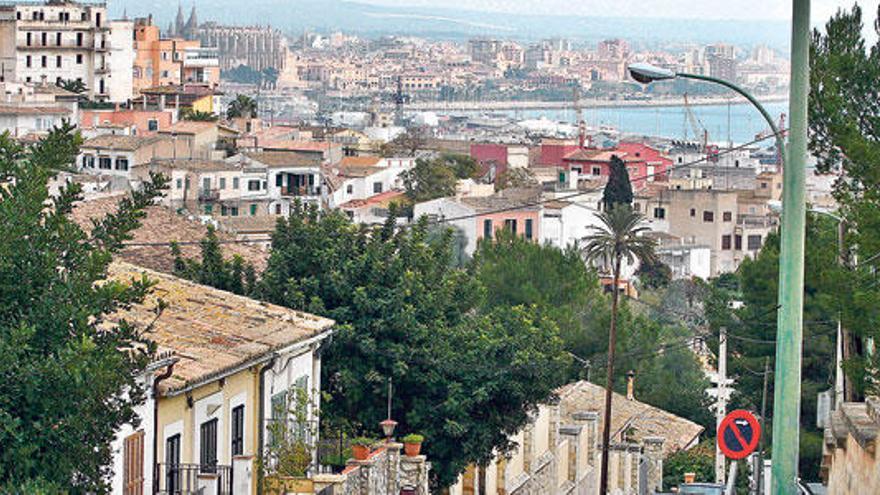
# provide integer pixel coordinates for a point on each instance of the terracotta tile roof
(283, 159)
(354, 171)
(640, 420)
(249, 225)
(120, 142)
(293, 145)
(378, 200)
(162, 225)
(189, 127)
(210, 331)
(360, 161)
(32, 110)
(194, 164)
(508, 198)
(582, 155)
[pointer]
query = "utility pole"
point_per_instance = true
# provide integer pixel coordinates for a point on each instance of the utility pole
(759, 472)
(721, 402)
(789, 327)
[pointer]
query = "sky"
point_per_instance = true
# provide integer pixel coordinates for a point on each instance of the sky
(698, 9)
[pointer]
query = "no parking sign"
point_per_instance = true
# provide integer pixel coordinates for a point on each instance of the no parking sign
(738, 434)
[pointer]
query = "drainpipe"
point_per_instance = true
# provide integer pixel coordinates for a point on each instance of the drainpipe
(165, 375)
(261, 414)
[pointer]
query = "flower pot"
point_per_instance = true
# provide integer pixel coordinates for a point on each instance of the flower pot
(360, 452)
(412, 449)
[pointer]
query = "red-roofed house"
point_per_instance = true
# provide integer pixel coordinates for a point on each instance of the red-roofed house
(644, 164)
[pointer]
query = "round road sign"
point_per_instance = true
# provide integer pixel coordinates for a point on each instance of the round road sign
(738, 434)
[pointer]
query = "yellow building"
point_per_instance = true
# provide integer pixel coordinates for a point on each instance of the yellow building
(226, 363)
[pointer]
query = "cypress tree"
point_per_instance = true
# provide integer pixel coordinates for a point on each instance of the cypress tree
(619, 189)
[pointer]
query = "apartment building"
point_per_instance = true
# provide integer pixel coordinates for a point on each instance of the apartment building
(358, 178)
(117, 154)
(163, 61)
(67, 40)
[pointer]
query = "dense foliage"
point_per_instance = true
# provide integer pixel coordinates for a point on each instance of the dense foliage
(213, 269)
(242, 106)
(465, 379)
(618, 191)
(69, 377)
(436, 177)
(845, 135)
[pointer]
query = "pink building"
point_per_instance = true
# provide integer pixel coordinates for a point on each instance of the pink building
(147, 122)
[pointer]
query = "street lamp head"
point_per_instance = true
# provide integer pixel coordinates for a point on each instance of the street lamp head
(647, 73)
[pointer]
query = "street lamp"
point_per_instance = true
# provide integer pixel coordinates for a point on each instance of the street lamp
(647, 73)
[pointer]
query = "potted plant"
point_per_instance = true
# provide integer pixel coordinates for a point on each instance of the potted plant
(360, 447)
(412, 444)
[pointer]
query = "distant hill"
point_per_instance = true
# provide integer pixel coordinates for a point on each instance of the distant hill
(293, 16)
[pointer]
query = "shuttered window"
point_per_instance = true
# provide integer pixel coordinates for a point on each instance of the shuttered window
(133, 464)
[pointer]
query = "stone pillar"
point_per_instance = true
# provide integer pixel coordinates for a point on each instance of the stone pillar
(572, 433)
(243, 476)
(635, 460)
(653, 452)
(413, 473)
(528, 441)
(590, 422)
(393, 467)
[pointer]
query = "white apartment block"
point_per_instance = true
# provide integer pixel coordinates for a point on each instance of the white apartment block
(66, 40)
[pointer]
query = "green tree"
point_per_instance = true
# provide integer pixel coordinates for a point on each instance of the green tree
(233, 275)
(198, 116)
(243, 74)
(515, 177)
(654, 274)
(269, 77)
(242, 106)
(618, 239)
(69, 376)
(72, 85)
(618, 191)
(406, 144)
(844, 131)
(464, 379)
(437, 177)
(58, 150)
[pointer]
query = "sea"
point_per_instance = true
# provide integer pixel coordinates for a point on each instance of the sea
(735, 122)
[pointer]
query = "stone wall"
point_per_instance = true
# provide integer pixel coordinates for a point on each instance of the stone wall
(851, 463)
(385, 472)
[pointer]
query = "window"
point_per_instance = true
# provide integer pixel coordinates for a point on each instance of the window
(510, 225)
(349, 189)
(727, 216)
(377, 187)
(83, 16)
(529, 229)
(88, 161)
(29, 37)
(208, 446)
(708, 216)
(27, 61)
(725, 242)
(209, 209)
(736, 163)
(738, 242)
(238, 430)
(223, 210)
(206, 184)
(279, 180)
(253, 185)
(235, 182)
(233, 210)
(172, 463)
(122, 164)
(222, 183)
(164, 73)
(487, 228)
(44, 61)
(253, 209)
(43, 38)
(58, 39)
(58, 61)
(693, 212)
(180, 183)
(164, 55)
(105, 163)
(79, 60)
(659, 213)
(79, 39)
(597, 170)
(278, 209)
(754, 242)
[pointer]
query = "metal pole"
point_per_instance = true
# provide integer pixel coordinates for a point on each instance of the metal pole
(759, 473)
(839, 378)
(789, 333)
(721, 402)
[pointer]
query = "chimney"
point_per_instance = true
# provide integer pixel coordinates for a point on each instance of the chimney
(630, 385)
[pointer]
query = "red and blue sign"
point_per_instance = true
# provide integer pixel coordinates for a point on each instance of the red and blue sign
(738, 434)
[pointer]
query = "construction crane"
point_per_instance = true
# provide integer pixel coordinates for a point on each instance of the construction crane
(699, 131)
(578, 115)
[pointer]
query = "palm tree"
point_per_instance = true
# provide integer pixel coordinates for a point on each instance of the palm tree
(242, 106)
(618, 239)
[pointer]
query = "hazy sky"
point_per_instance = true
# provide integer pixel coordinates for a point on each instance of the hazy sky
(705, 9)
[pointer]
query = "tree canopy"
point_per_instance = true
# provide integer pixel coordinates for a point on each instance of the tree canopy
(242, 106)
(466, 379)
(618, 190)
(69, 376)
(437, 177)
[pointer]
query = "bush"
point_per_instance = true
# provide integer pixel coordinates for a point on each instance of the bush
(413, 438)
(363, 441)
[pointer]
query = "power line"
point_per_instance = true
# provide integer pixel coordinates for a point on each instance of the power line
(527, 204)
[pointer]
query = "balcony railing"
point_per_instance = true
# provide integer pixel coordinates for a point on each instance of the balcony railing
(300, 191)
(183, 479)
(209, 194)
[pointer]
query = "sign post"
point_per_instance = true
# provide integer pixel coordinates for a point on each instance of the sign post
(738, 434)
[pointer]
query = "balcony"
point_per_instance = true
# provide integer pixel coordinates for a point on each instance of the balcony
(102, 69)
(192, 479)
(209, 194)
(297, 191)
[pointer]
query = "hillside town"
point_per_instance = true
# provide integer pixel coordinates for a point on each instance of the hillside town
(243, 260)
